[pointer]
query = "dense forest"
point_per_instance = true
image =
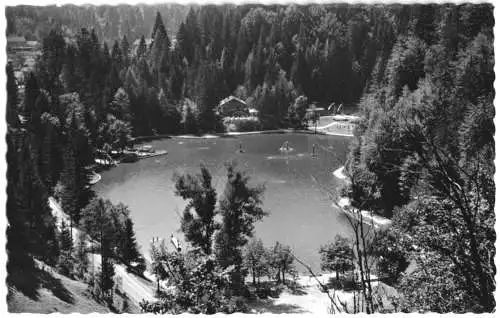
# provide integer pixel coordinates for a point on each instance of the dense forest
(421, 77)
(109, 22)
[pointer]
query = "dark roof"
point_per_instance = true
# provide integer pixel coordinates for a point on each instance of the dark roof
(230, 98)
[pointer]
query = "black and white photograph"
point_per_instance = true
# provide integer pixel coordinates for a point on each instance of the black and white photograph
(315, 158)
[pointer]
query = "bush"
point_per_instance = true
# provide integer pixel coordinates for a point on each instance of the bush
(263, 292)
(66, 265)
(237, 304)
(391, 255)
(275, 292)
(243, 124)
(346, 282)
(248, 125)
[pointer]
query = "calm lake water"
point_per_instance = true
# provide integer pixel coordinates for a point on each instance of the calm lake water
(298, 192)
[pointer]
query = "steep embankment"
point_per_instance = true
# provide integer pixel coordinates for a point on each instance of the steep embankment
(57, 294)
(137, 288)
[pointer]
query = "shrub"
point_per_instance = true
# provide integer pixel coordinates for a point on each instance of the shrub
(345, 282)
(242, 124)
(237, 304)
(247, 125)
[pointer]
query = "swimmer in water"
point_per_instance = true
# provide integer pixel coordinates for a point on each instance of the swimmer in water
(286, 146)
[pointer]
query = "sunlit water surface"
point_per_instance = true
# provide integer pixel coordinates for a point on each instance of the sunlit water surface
(298, 193)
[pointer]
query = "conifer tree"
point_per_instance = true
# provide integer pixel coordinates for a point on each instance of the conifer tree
(69, 184)
(198, 218)
(116, 55)
(125, 49)
(240, 207)
(158, 27)
(12, 112)
(130, 252)
(107, 273)
(142, 49)
(19, 257)
(80, 255)
(190, 122)
(97, 221)
(32, 90)
(66, 262)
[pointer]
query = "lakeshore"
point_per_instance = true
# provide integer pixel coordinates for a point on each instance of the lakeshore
(368, 217)
(295, 182)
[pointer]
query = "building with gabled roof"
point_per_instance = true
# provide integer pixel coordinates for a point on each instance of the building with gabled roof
(233, 107)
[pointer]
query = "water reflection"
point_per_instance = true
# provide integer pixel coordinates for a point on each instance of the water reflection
(298, 187)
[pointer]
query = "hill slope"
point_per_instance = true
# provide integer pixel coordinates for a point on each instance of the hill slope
(61, 294)
(110, 22)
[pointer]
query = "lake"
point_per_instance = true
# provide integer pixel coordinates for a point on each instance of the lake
(298, 192)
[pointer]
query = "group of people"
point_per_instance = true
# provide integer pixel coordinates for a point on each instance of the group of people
(284, 147)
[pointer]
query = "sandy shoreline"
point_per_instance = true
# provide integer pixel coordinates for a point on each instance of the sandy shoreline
(242, 133)
(344, 204)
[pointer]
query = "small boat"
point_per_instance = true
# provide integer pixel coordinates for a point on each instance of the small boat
(286, 147)
(143, 155)
(145, 148)
(105, 162)
(94, 178)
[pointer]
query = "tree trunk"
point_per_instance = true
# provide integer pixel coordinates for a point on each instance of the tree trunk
(253, 274)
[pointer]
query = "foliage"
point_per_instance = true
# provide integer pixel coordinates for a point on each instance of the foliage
(392, 259)
(421, 76)
(105, 278)
(199, 286)
(281, 261)
(66, 262)
(240, 207)
(80, 256)
(243, 125)
(255, 258)
(198, 218)
(297, 112)
(129, 249)
(337, 256)
(115, 133)
(158, 253)
(413, 145)
(107, 224)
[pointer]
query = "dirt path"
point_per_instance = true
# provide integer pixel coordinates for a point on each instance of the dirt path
(306, 299)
